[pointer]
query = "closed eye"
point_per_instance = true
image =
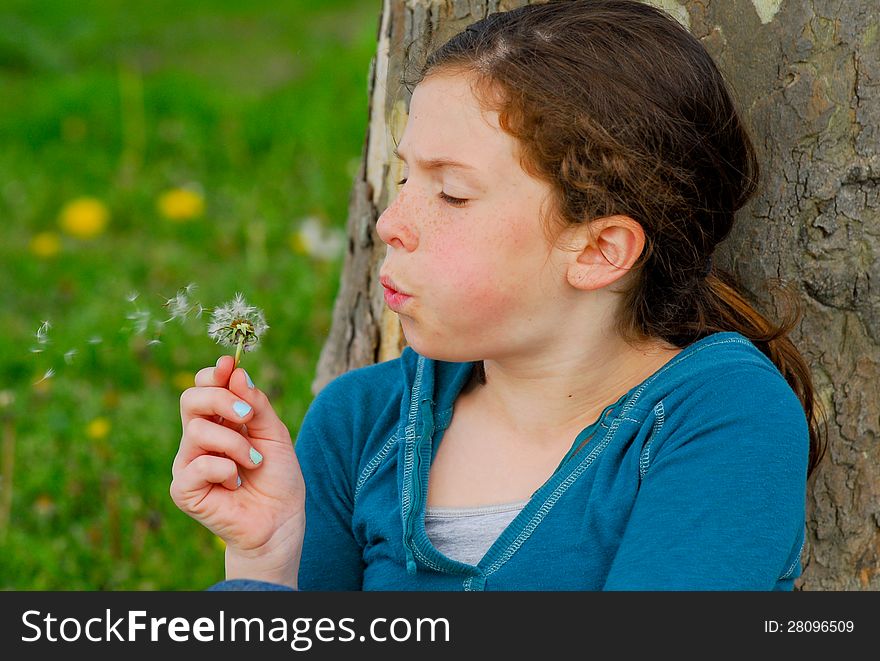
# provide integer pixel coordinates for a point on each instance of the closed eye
(452, 201)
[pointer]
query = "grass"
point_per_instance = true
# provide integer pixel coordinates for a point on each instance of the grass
(259, 111)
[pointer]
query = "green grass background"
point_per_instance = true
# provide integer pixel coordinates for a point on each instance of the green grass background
(263, 105)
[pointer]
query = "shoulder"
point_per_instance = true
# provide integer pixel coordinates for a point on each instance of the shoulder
(717, 367)
(353, 416)
(364, 391)
(723, 391)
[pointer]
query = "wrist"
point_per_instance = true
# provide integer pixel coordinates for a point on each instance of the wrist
(277, 561)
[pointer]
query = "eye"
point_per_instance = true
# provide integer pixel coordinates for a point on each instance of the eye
(454, 201)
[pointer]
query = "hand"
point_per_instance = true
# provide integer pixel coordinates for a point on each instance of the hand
(262, 519)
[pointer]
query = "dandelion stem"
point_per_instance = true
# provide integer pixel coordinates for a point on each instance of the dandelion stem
(238, 352)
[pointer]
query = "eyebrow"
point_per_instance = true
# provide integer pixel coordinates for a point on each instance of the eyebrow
(437, 163)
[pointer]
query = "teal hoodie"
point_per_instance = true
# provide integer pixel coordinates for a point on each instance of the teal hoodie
(694, 480)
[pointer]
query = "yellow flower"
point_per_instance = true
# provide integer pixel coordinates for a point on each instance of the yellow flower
(98, 428)
(181, 204)
(84, 217)
(46, 244)
(183, 380)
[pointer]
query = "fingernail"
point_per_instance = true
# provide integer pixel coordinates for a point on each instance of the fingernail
(256, 457)
(248, 378)
(241, 409)
(238, 481)
(218, 361)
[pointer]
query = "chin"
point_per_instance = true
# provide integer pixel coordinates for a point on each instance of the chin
(447, 350)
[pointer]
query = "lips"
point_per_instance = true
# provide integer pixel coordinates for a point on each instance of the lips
(394, 298)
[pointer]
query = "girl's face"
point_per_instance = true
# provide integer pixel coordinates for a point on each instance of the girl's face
(464, 234)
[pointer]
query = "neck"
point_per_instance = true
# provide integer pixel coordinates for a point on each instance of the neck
(560, 389)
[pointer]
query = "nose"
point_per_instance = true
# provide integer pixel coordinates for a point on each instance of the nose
(395, 226)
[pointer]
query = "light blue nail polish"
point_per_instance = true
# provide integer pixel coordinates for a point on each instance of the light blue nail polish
(256, 457)
(241, 409)
(238, 481)
(248, 378)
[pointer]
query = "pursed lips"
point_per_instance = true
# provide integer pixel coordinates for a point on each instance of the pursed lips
(394, 298)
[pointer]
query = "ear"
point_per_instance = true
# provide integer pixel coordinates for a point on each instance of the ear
(606, 250)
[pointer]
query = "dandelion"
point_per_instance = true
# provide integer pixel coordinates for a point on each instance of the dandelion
(98, 428)
(84, 217)
(46, 244)
(237, 324)
(181, 204)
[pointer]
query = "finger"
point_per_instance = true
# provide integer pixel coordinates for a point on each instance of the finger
(263, 423)
(202, 437)
(217, 375)
(207, 402)
(192, 484)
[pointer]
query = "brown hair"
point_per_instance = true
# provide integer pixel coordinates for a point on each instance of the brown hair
(623, 111)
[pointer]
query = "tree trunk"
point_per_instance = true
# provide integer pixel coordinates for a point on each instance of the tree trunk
(807, 78)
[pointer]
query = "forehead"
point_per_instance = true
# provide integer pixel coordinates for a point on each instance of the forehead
(447, 121)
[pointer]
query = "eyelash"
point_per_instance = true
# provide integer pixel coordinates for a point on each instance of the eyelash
(452, 201)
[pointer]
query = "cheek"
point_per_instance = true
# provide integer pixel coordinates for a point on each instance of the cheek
(478, 275)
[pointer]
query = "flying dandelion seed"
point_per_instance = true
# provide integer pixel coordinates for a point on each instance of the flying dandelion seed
(48, 375)
(95, 339)
(141, 319)
(68, 356)
(37, 350)
(42, 333)
(237, 324)
(179, 306)
(154, 342)
(131, 297)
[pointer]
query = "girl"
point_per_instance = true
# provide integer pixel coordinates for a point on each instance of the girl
(585, 402)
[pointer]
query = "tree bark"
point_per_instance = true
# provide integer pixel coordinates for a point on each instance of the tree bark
(807, 78)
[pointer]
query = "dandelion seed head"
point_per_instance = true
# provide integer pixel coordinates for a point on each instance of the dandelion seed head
(236, 321)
